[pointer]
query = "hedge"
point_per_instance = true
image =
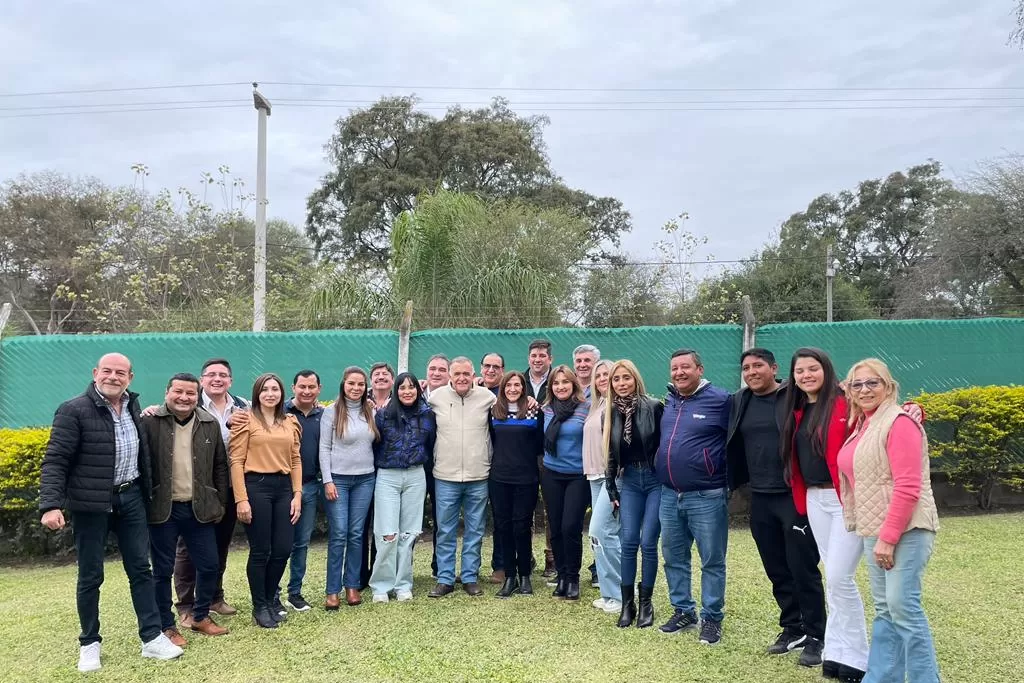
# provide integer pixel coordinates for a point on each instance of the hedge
(21, 456)
(976, 435)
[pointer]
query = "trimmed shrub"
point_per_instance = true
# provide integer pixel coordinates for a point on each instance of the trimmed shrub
(21, 457)
(976, 435)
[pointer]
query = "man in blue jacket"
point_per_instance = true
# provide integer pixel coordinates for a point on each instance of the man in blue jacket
(691, 466)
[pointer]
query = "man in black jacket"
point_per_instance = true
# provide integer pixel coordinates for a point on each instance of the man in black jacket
(98, 468)
(190, 493)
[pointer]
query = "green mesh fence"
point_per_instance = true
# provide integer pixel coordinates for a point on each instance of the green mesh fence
(37, 373)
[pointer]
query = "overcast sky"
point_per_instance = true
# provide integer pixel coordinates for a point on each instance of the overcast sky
(737, 173)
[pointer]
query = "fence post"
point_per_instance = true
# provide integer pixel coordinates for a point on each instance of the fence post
(404, 332)
(5, 315)
(749, 329)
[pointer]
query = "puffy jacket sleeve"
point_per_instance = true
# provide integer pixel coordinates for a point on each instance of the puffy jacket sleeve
(59, 456)
(430, 426)
(221, 468)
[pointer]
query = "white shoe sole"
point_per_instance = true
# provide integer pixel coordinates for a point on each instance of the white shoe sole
(380, 598)
(91, 666)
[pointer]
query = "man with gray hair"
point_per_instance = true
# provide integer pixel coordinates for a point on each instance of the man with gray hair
(584, 357)
(462, 463)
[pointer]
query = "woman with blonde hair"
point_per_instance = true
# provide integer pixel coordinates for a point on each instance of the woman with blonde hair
(604, 519)
(565, 489)
(887, 499)
(347, 435)
(266, 473)
(632, 431)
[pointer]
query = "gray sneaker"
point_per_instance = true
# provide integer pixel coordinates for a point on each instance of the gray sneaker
(161, 647)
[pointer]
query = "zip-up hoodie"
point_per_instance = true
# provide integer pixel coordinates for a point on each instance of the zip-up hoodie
(462, 451)
(691, 453)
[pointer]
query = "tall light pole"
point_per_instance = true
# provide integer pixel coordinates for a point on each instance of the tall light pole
(259, 282)
(830, 273)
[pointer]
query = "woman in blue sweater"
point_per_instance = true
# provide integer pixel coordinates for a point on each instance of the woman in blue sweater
(517, 441)
(407, 431)
(565, 488)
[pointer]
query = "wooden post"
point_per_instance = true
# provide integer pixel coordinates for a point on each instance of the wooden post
(404, 332)
(749, 329)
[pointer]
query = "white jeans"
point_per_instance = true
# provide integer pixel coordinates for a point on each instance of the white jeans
(846, 636)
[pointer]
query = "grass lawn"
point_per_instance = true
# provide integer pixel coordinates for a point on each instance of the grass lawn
(973, 596)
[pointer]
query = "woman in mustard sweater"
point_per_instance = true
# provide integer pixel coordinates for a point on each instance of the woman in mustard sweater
(266, 473)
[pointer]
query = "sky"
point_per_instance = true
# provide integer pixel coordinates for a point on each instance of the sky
(619, 80)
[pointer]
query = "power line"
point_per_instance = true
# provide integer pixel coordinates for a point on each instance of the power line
(139, 88)
(641, 89)
(123, 111)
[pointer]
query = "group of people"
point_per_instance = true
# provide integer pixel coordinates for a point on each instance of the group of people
(836, 470)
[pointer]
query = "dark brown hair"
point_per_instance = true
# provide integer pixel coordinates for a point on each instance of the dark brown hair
(500, 409)
(257, 389)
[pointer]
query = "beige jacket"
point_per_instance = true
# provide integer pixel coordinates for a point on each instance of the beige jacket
(462, 451)
(866, 503)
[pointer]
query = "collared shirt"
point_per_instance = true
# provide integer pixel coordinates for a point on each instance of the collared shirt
(537, 385)
(223, 418)
(126, 441)
(309, 443)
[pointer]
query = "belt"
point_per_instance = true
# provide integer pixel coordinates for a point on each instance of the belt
(121, 488)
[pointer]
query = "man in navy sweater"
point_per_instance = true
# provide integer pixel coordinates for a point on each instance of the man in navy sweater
(691, 466)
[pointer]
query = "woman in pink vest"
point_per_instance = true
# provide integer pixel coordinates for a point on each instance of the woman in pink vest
(884, 477)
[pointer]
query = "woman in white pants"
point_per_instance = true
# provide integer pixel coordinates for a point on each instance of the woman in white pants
(816, 428)
(604, 523)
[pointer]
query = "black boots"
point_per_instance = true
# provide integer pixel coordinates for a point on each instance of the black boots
(525, 585)
(628, 613)
(645, 617)
(560, 588)
(261, 617)
(509, 588)
(572, 590)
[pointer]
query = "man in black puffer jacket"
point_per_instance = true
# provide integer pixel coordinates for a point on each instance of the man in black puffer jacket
(98, 468)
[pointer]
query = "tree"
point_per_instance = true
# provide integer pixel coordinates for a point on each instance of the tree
(464, 262)
(386, 156)
(1017, 34)
(623, 295)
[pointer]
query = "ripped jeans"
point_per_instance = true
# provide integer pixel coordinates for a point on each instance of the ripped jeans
(397, 521)
(605, 542)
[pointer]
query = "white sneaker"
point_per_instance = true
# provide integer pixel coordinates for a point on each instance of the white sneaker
(380, 597)
(612, 606)
(599, 603)
(404, 596)
(161, 648)
(89, 657)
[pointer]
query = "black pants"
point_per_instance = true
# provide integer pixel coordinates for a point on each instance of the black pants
(202, 546)
(512, 507)
(128, 520)
(270, 534)
(567, 497)
(185, 571)
(790, 558)
(428, 469)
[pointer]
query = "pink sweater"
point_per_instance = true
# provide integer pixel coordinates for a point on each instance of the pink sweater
(904, 450)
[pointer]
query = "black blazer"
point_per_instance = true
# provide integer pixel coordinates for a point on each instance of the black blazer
(646, 427)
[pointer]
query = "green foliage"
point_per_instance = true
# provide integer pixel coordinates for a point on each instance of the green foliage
(383, 158)
(977, 436)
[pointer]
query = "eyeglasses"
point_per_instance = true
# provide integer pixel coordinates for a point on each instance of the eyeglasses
(211, 375)
(489, 366)
(870, 384)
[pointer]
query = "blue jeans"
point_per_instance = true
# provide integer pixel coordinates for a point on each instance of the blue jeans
(312, 492)
(453, 497)
(201, 542)
(397, 513)
(701, 516)
(346, 518)
(901, 640)
(639, 505)
(604, 542)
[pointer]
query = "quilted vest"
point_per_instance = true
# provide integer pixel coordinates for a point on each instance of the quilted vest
(866, 503)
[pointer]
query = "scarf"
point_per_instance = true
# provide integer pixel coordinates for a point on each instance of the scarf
(563, 410)
(627, 406)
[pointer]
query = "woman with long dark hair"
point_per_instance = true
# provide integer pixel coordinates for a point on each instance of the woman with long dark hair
(517, 441)
(565, 489)
(815, 430)
(347, 435)
(407, 430)
(632, 431)
(604, 518)
(266, 471)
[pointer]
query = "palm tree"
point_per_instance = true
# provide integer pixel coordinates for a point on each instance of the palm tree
(463, 262)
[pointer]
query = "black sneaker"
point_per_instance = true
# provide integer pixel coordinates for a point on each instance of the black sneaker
(298, 603)
(278, 611)
(710, 632)
(811, 656)
(787, 642)
(680, 621)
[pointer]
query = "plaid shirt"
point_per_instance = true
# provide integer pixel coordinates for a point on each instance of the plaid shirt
(126, 439)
